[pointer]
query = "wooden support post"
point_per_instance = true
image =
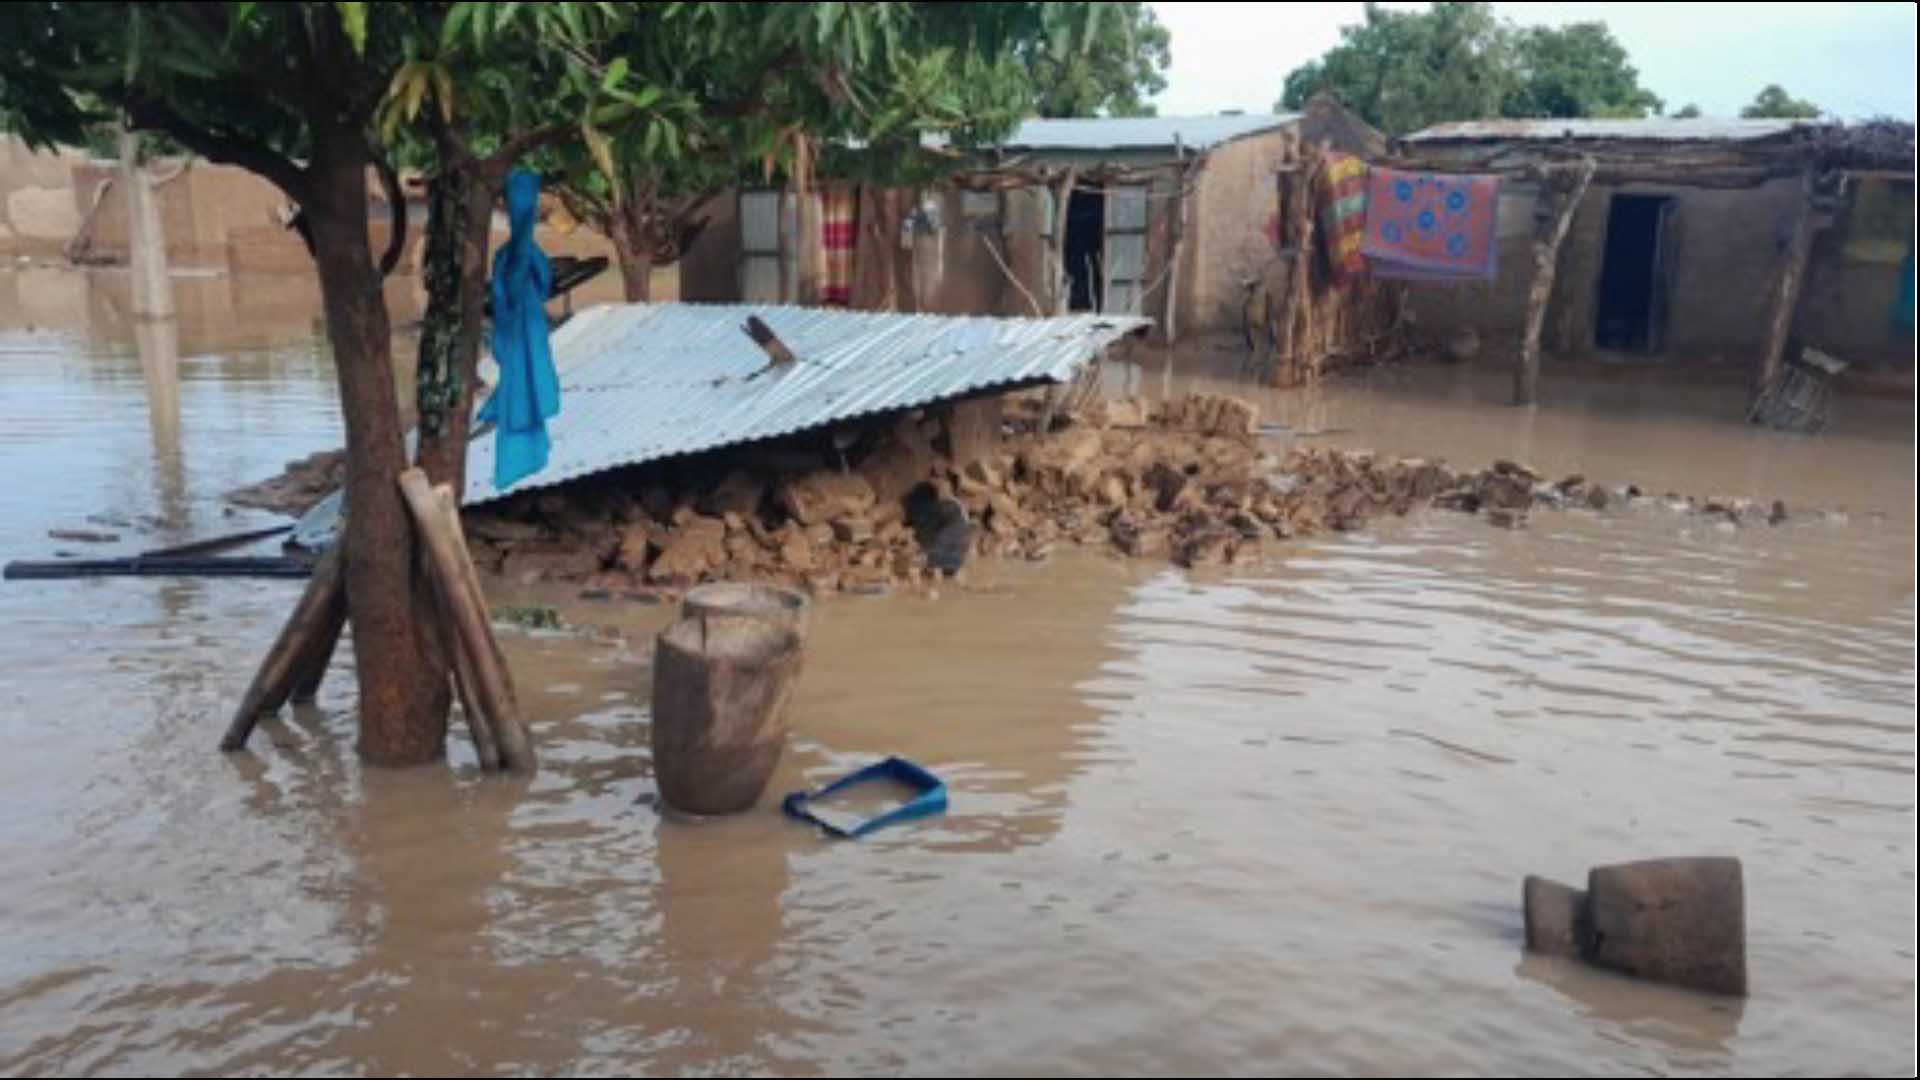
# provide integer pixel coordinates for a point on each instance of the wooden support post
(1057, 243)
(1786, 295)
(1550, 224)
(1177, 205)
(292, 651)
(1293, 323)
(811, 253)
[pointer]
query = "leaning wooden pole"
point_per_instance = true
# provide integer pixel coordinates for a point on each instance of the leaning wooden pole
(1551, 221)
(292, 652)
(486, 746)
(515, 744)
(1786, 295)
(312, 669)
(466, 620)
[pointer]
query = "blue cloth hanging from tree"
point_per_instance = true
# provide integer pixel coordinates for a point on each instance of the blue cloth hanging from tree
(529, 390)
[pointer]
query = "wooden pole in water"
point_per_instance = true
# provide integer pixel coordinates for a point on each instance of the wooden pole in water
(312, 670)
(218, 543)
(486, 746)
(293, 650)
(465, 615)
(515, 742)
(465, 621)
(1551, 221)
(1786, 295)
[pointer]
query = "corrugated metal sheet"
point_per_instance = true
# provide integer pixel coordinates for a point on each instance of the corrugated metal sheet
(1142, 132)
(1658, 129)
(640, 382)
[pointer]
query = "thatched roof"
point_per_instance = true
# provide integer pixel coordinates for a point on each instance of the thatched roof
(1708, 153)
(1883, 144)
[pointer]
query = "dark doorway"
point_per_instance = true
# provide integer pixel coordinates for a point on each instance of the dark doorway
(1086, 236)
(1632, 309)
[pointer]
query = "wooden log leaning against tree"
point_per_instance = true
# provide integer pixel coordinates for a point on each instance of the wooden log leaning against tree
(312, 670)
(306, 639)
(466, 684)
(516, 745)
(463, 613)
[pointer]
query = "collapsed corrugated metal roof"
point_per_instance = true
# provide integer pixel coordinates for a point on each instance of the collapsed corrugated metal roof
(1142, 132)
(1656, 129)
(641, 382)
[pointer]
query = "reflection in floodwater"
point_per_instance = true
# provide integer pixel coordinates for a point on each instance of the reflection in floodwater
(1689, 1024)
(1266, 820)
(158, 343)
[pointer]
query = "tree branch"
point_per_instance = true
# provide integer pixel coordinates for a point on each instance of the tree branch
(224, 147)
(585, 207)
(454, 153)
(520, 145)
(396, 209)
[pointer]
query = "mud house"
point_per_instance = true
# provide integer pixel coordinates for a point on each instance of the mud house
(1696, 241)
(67, 204)
(1174, 218)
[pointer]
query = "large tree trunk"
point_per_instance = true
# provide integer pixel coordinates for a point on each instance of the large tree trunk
(403, 679)
(459, 220)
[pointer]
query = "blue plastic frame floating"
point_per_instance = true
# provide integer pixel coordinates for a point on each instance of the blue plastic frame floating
(930, 798)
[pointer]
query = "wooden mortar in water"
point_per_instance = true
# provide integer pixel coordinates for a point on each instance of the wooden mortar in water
(723, 677)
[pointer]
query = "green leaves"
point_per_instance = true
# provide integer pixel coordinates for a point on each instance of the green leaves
(1405, 70)
(616, 73)
(353, 19)
(412, 82)
(1775, 102)
(1100, 59)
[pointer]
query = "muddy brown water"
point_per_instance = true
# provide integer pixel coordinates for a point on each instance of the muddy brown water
(1267, 821)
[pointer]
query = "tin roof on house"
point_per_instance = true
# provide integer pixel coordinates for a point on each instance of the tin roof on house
(641, 382)
(1142, 132)
(1655, 129)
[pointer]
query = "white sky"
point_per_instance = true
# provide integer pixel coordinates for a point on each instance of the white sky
(1854, 60)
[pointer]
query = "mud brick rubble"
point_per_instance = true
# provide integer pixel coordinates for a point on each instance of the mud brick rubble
(899, 501)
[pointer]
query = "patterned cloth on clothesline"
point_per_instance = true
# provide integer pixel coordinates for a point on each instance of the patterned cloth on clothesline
(1431, 226)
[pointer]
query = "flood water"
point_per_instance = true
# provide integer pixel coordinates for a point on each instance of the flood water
(1268, 821)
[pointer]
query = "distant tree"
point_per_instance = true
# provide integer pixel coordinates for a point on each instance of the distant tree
(1687, 112)
(1774, 102)
(1575, 70)
(1404, 70)
(1120, 66)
